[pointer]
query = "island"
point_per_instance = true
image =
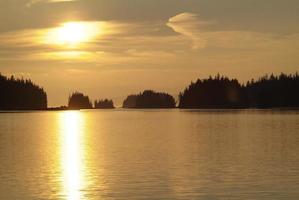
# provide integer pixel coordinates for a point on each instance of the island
(149, 99)
(104, 104)
(78, 100)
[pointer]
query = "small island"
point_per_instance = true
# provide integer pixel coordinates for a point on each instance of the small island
(79, 101)
(104, 104)
(149, 99)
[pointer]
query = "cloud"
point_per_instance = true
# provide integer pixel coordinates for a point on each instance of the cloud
(124, 45)
(189, 25)
(32, 2)
(118, 41)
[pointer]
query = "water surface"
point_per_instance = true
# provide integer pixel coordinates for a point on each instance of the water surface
(158, 154)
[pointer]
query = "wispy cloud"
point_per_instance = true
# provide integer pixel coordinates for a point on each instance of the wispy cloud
(32, 2)
(189, 25)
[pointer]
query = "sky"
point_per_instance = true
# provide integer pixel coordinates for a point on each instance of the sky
(113, 48)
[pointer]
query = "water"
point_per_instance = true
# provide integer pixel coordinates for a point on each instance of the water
(160, 154)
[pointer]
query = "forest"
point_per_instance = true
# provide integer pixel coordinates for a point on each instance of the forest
(221, 92)
(20, 94)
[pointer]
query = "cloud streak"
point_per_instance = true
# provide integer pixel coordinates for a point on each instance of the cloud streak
(189, 25)
(32, 2)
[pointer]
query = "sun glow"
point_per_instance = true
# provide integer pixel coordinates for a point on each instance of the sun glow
(72, 154)
(72, 34)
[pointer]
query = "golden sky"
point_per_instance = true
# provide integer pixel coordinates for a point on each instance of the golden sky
(112, 48)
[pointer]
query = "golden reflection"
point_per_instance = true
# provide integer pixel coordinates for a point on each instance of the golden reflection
(72, 34)
(73, 168)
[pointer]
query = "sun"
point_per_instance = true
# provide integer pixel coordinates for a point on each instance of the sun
(72, 34)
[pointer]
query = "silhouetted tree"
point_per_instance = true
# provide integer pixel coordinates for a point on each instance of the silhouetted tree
(104, 104)
(222, 92)
(20, 94)
(150, 99)
(79, 101)
(274, 91)
(218, 92)
(130, 101)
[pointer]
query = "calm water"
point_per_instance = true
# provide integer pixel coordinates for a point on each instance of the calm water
(168, 154)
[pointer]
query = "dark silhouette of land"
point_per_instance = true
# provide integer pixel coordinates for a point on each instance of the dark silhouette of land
(20, 94)
(58, 108)
(217, 92)
(79, 101)
(221, 92)
(274, 92)
(150, 99)
(104, 104)
(130, 101)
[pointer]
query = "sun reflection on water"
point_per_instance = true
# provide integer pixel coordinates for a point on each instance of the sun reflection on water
(72, 131)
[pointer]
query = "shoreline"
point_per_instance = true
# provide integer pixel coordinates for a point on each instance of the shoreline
(182, 109)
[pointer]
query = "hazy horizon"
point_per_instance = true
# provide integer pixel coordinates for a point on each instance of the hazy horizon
(109, 49)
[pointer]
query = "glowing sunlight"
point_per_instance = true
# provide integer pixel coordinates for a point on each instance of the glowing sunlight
(72, 34)
(72, 161)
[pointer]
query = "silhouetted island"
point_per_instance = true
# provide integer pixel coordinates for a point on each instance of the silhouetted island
(20, 94)
(222, 92)
(149, 99)
(104, 104)
(79, 101)
(217, 92)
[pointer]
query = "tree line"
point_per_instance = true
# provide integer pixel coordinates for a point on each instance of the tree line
(150, 99)
(273, 91)
(146, 99)
(217, 92)
(221, 92)
(20, 94)
(78, 100)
